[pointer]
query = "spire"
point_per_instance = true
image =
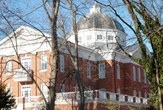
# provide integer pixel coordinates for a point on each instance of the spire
(95, 8)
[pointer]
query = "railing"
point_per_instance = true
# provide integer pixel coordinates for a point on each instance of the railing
(31, 99)
(102, 95)
(89, 95)
(21, 75)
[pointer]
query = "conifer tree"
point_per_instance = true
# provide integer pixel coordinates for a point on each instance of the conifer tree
(6, 99)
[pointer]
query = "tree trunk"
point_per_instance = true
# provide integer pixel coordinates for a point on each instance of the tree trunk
(76, 61)
(55, 54)
(158, 86)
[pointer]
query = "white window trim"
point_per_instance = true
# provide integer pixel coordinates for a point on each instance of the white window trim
(62, 63)
(88, 70)
(102, 74)
(43, 60)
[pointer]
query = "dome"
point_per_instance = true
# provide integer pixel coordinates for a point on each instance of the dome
(97, 19)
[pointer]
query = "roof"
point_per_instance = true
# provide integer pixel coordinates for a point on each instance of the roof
(97, 19)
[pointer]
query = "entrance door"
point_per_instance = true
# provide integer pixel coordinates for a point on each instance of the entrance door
(26, 93)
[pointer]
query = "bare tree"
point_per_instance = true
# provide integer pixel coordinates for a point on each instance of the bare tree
(54, 5)
(147, 26)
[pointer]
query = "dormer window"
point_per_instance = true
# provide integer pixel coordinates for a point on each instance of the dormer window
(99, 37)
(110, 38)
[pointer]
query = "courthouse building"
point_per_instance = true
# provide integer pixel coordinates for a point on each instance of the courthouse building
(109, 76)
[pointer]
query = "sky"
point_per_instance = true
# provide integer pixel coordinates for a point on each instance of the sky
(32, 12)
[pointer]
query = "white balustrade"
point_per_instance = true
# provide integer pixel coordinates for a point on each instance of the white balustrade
(31, 99)
(64, 96)
(137, 99)
(112, 96)
(130, 98)
(102, 94)
(88, 94)
(121, 97)
(145, 100)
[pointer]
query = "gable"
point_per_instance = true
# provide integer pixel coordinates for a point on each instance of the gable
(25, 39)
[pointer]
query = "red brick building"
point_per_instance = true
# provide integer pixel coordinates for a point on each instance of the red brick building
(110, 78)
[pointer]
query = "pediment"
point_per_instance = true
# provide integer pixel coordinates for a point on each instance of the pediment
(23, 36)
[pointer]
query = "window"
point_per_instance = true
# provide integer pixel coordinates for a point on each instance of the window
(118, 71)
(8, 89)
(26, 93)
(62, 64)
(145, 78)
(139, 75)
(110, 38)
(8, 66)
(99, 37)
(62, 87)
(101, 69)
(89, 37)
(134, 73)
(88, 70)
(44, 88)
(139, 93)
(134, 93)
(26, 62)
(43, 62)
